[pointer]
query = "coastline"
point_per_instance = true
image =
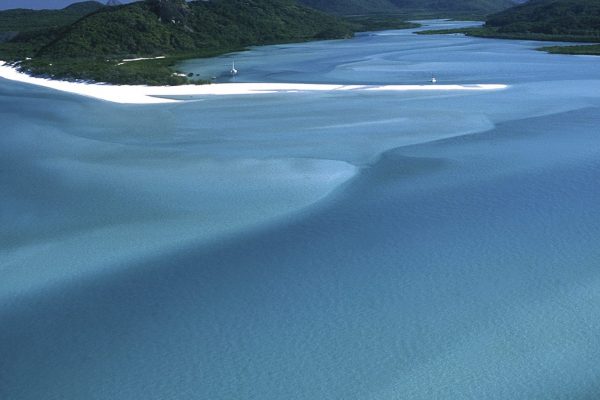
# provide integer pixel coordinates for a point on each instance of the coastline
(585, 46)
(137, 94)
(213, 248)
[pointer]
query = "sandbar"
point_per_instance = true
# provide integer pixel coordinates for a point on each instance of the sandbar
(139, 94)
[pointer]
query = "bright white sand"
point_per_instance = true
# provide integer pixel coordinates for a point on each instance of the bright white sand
(126, 60)
(127, 94)
(143, 58)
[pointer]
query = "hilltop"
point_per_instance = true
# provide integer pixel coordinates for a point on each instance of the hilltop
(156, 27)
(352, 7)
(22, 20)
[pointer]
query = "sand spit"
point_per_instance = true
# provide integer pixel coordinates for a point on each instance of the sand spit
(129, 94)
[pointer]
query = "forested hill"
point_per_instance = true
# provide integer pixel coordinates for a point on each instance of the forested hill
(480, 7)
(550, 20)
(20, 20)
(156, 27)
(352, 7)
(405, 7)
(93, 46)
(550, 17)
(414, 7)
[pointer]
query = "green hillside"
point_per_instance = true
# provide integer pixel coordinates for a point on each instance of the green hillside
(20, 20)
(416, 8)
(569, 20)
(135, 30)
(351, 7)
(92, 47)
(549, 20)
(452, 7)
(550, 17)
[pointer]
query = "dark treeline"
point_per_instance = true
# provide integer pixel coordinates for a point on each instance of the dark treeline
(556, 17)
(547, 20)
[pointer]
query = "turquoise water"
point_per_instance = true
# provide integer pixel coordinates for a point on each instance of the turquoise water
(309, 246)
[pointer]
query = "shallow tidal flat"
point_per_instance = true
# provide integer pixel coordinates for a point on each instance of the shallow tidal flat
(327, 245)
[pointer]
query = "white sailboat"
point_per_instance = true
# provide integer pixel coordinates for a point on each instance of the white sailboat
(233, 71)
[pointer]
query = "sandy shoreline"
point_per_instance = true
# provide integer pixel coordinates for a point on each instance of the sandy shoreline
(130, 94)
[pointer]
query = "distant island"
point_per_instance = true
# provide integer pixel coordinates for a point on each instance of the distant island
(546, 20)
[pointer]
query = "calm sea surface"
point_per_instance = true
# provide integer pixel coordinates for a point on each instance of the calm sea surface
(344, 245)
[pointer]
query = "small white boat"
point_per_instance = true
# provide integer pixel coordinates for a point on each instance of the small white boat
(433, 80)
(233, 71)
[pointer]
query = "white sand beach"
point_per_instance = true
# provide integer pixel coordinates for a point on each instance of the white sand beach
(130, 94)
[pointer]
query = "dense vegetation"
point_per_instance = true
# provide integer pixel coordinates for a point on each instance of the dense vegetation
(92, 47)
(578, 18)
(487, 32)
(20, 20)
(550, 20)
(589, 49)
(453, 7)
(412, 8)
(379, 22)
(352, 7)
(156, 27)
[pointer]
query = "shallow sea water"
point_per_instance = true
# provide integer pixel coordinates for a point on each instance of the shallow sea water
(309, 245)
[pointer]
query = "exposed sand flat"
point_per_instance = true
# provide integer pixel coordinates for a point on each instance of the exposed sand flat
(127, 94)
(126, 60)
(143, 58)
